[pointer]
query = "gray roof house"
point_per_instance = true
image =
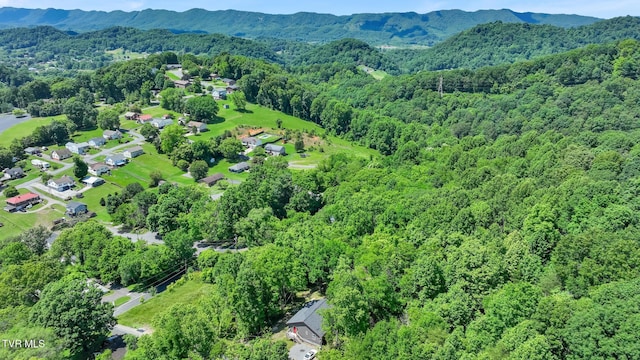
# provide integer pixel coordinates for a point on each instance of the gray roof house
(61, 154)
(275, 149)
(32, 151)
(62, 184)
(251, 142)
(306, 324)
(133, 152)
(80, 148)
(239, 167)
(98, 169)
(115, 160)
(14, 173)
(200, 126)
(112, 134)
(161, 123)
(97, 141)
(76, 208)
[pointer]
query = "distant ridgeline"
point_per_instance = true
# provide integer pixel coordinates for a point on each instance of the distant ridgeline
(376, 29)
(486, 44)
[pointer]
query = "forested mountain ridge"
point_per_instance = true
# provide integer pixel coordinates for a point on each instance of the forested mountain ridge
(500, 220)
(387, 28)
(499, 43)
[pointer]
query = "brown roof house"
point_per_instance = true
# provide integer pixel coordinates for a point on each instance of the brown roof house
(212, 180)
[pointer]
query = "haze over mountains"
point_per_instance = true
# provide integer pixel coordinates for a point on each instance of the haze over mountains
(376, 29)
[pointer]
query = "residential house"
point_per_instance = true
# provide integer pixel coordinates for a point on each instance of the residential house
(212, 180)
(133, 152)
(115, 160)
(229, 81)
(131, 115)
(143, 119)
(32, 151)
(112, 134)
(173, 66)
(61, 154)
(306, 324)
(219, 94)
(275, 150)
(97, 142)
(14, 173)
(200, 127)
(181, 84)
(161, 123)
(98, 169)
(76, 208)
(232, 88)
(21, 201)
(251, 142)
(239, 167)
(62, 184)
(92, 181)
(40, 164)
(80, 148)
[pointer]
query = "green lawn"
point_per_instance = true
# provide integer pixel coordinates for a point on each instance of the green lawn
(187, 293)
(26, 128)
(92, 199)
(15, 223)
(138, 169)
(121, 300)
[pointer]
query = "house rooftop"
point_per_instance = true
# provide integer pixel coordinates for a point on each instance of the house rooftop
(74, 204)
(22, 198)
(309, 316)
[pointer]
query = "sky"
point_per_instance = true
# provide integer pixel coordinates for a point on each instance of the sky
(601, 9)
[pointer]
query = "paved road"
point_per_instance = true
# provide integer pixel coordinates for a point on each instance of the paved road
(298, 350)
(120, 329)
(9, 120)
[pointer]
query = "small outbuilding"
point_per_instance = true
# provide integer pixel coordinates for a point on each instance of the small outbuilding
(212, 180)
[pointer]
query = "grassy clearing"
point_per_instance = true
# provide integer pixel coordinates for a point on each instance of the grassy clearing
(121, 300)
(26, 128)
(92, 199)
(15, 223)
(188, 293)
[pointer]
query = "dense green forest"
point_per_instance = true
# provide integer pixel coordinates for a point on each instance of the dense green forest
(500, 220)
(387, 28)
(57, 52)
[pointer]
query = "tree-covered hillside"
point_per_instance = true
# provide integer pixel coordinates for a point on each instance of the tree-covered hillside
(498, 221)
(502, 43)
(388, 28)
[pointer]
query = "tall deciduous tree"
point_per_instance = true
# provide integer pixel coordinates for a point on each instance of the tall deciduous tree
(75, 311)
(80, 168)
(108, 119)
(202, 108)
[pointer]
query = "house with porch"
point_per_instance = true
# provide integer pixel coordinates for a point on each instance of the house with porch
(61, 154)
(275, 150)
(112, 134)
(115, 160)
(98, 169)
(79, 148)
(133, 152)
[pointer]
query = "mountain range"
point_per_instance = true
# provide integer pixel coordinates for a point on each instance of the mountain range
(377, 29)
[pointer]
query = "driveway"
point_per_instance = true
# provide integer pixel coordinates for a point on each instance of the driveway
(298, 350)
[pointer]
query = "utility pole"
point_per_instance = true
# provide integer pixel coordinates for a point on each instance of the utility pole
(440, 89)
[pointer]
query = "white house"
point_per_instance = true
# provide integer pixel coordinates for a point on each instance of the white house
(251, 142)
(112, 134)
(275, 150)
(62, 184)
(161, 123)
(98, 169)
(80, 148)
(115, 160)
(201, 127)
(133, 152)
(97, 141)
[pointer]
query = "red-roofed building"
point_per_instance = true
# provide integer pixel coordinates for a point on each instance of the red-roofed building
(20, 201)
(145, 118)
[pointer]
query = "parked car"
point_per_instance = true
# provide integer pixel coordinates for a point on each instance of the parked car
(79, 195)
(311, 354)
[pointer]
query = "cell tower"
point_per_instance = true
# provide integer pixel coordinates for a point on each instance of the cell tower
(440, 89)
